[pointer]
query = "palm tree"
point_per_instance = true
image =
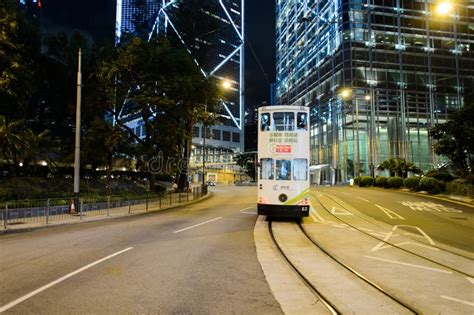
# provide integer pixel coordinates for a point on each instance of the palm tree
(399, 167)
(12, 141)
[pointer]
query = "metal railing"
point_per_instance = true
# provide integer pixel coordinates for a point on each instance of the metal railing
(46, 211)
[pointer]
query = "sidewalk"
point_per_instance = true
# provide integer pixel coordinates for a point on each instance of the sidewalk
(93, 216)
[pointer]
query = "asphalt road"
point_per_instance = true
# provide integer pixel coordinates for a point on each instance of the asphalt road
(445, 222)
(199, 259)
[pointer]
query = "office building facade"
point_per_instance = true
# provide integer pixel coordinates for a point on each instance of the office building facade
(377, 75)
(217, 50)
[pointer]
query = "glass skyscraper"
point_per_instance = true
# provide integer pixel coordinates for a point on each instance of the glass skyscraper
(376, 74)
(217, 48)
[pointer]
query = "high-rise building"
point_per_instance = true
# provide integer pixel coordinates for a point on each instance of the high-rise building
(376, 74)
(217, 48)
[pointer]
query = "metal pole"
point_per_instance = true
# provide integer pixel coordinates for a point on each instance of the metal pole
(5, 219)
(357, 134)
(77, 153)
(81, 204)
(204, 151)
(108, 206)
(47, 210)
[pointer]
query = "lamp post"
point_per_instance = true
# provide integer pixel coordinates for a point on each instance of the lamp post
(77, 151)
(226, 85)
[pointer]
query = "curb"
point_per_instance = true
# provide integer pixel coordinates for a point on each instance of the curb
(99, 218)
(465, 201)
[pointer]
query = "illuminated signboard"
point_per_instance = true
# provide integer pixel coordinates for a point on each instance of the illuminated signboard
(283, 148)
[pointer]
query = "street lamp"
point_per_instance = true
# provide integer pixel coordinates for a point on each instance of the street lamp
(444, 8)
(226, 85)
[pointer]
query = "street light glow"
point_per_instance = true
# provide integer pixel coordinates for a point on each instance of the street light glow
(226, 84)
(444, 8)
(367, 97)
(346, 93)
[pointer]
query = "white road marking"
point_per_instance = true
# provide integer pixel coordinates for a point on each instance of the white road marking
(410, 265)
(471, 280)
(339, 211)
(391, 214)
(429, 206)
(363, 199)
(246, 212)
(457, 300)
(390, 234)
(49, 285)
(316, 214)
(344, 193)
(242, 210)
(196, 225)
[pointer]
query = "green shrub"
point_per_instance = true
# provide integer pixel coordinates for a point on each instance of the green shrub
(413, 183)
(470, 179)
(356, 180)
(431, 185)
(366, 181)
(395, 182)
(460, 187)
(381, 181)
(440, 175)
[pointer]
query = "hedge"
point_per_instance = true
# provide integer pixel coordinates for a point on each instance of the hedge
(431, 185)
(381, 181)
(366, 181)
(395, 182)
(413, 183)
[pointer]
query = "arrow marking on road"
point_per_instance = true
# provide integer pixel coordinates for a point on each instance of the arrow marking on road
(49, 285)
(339, 211)
(410, 265)
(392, 215)
(457, 300)
(363, 199)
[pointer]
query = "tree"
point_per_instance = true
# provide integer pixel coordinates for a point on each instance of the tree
(19, 50)
(247, 162)
(164, 87)
(455, 137)
(399, 167)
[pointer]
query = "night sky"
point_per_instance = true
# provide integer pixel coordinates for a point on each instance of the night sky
(97, 19)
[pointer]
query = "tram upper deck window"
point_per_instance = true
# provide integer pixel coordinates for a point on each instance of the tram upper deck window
(300, 169)
(266, 169)
(302, 121)
(283, 170)
(265, 122)
(284, 121)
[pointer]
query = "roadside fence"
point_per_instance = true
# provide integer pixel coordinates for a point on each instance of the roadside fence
(46, 211)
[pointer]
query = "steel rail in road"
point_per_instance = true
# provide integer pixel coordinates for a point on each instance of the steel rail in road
(313, 289)
(358, 274)
(391, 244)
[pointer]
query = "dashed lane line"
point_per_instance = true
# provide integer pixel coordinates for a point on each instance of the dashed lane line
(49, 285)
(196, 225)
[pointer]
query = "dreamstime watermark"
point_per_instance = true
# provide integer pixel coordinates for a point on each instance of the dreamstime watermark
(160, 164)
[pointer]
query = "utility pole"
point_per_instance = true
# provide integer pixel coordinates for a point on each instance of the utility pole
(77, 152)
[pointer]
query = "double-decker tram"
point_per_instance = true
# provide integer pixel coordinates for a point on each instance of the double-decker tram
(283, 161)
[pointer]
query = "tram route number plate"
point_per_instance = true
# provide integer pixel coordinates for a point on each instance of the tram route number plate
(283, 148)
(304, 209)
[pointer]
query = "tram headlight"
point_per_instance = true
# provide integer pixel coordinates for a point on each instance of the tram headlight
(283, 198)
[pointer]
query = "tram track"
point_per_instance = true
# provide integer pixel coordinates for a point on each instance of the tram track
(329, 305)
(460, 272)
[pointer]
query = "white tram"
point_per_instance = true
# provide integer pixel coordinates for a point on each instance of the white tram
(283, 161)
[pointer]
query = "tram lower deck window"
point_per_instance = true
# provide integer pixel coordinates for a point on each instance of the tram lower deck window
(266, 169)
(300, 169)
(283, 170)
